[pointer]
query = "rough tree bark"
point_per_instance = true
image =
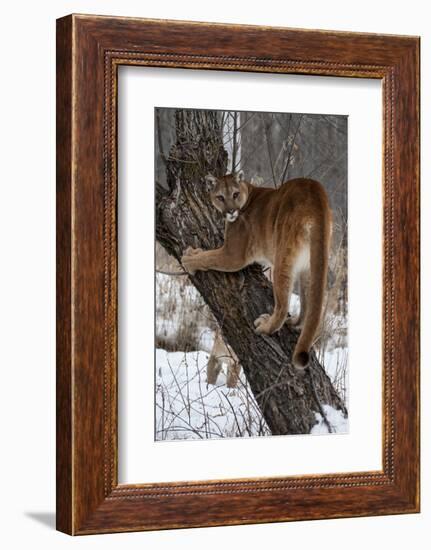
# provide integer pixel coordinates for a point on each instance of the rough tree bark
(185, 217)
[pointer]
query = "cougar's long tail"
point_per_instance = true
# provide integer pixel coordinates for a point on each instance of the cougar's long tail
(320, 236)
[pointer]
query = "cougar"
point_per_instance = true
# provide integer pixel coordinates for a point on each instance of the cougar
(289, 229)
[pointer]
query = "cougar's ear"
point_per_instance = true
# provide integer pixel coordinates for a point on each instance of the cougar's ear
(239, 176)
(210, 180)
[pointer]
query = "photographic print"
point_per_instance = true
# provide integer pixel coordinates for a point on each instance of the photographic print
(262, 315)
(251, 281)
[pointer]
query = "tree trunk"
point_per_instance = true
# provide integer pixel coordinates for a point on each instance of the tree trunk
(185, 217)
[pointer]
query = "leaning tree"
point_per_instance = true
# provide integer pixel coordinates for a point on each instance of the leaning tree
(185, 217)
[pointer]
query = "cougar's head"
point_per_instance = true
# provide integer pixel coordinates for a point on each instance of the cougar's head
(228, 194)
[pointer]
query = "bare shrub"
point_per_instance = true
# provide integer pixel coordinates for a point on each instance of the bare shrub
(183, 321)
(188, 408)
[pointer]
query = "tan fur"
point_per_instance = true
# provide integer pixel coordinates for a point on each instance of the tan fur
(288, 228)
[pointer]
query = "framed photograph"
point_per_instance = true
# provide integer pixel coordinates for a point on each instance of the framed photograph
(237, 274)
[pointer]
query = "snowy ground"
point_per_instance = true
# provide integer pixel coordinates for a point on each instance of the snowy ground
(337, 420)
(188, 408)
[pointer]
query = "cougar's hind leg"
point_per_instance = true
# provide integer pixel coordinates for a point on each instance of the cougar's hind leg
(282, 287)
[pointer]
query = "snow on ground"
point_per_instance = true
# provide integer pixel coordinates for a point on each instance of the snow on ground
(336, 419)
(186, 408)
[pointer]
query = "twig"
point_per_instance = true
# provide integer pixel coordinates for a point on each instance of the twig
(319, 405)
(159, 138)
(286, 168)
(234, 140)
(175, 415)
(172, 273)
(269, 153)
(234, 414)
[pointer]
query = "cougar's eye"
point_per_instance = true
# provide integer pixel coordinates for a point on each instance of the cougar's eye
(220, 198)
(235, 195)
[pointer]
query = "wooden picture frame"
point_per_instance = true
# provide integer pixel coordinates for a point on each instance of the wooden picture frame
(89, 51)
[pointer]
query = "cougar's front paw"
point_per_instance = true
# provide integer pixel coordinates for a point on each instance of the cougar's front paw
(189, 264)
(190, 261)
(190, 251)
